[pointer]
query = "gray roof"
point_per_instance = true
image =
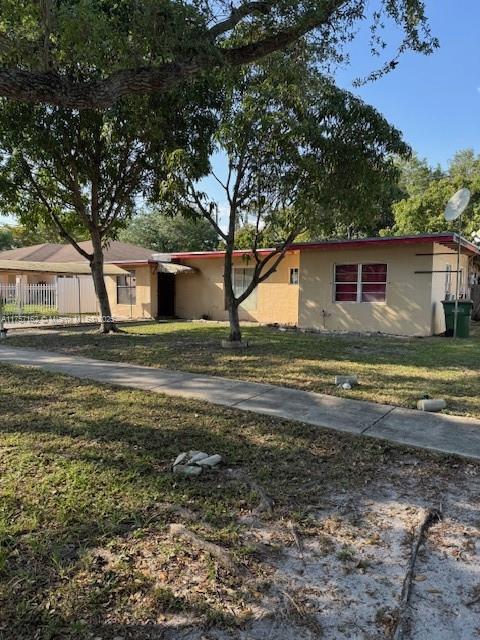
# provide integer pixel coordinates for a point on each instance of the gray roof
(116, 251)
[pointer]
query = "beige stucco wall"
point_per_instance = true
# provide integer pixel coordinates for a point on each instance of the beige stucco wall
(407, 310)
(146, 298)
(146, 295)
(47, 278)
(7, 277)
(440, 262)
(202, 293)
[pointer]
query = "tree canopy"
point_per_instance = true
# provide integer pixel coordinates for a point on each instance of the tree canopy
(429, 191)
(301, 155)
(166, 234)
(89, 54)
(82, 172)
(18, 235)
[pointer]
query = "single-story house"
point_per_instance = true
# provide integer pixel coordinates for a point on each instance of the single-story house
(133, 276)
(390, 285)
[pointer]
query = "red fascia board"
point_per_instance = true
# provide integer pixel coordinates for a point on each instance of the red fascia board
(238, 253)
(446, 238)
(362, 242)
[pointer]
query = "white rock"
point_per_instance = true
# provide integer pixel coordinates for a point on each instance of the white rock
(198, 455)
(431, 405)
(211, 461)
(187, 470)
(179, 459)
(347, 386)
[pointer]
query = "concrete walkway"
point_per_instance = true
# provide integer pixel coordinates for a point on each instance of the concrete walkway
(435, 432)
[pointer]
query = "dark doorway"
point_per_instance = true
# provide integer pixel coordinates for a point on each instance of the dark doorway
(166, 295)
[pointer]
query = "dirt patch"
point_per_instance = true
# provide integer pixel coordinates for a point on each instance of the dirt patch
(336, 572)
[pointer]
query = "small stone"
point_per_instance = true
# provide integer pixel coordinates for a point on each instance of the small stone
(347, 386)
(179, 459)
(197, 456)
(211, 461)
(187, 470)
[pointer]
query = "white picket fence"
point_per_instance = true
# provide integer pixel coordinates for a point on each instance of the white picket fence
(19, 298)
(66, 297)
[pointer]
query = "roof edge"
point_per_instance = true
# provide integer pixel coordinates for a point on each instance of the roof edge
(440, 238)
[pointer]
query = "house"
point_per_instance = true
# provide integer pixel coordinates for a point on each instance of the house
(133, 278)
(390, 285)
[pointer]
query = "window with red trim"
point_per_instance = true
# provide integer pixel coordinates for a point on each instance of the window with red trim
(360, 282)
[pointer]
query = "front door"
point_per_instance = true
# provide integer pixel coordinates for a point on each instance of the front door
(166, 295)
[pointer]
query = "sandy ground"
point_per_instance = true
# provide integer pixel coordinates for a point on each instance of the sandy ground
(341, 577)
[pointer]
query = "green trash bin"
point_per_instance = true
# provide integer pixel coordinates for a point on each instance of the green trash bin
(463, 319)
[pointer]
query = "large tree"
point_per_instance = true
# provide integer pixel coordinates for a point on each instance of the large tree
(7, 240)
(422, 210)
(26, 236)
(164, 233)
(82, 172)
(301, 154)
(91, 53)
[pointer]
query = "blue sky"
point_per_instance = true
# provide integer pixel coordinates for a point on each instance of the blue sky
(434, 100)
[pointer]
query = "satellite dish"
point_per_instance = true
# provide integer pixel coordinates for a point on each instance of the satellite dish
(457, 204)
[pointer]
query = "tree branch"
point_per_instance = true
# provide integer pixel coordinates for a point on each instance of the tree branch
(63, 232)
(53, 88)
(258, 276)
(205, 212)
(237, 15)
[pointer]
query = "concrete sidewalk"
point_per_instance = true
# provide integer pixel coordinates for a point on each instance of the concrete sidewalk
(435, 432)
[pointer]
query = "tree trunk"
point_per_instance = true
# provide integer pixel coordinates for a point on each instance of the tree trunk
(107, 325)
(230, 302)
(235, 332)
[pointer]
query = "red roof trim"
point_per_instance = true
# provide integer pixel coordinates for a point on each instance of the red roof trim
(219, 254)
(440, 238)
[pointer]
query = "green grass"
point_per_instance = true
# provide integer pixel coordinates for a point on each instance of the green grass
(35, 310)
(391, 370)
(86, 497)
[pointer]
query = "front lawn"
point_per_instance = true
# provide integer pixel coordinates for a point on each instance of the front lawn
(391, 370)
(311, 529)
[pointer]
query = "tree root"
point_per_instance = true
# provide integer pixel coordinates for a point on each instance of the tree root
(297, 541)
(109, 330)
(266, 503)
(432, 516)
(178, 531)
(294, 608)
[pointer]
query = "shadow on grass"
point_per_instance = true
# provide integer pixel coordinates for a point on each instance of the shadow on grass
(87, 467)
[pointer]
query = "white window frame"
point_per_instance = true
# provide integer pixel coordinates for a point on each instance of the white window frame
(249, 303)
(291, 271)
(448, 280)
(130, 287)
(359, 284)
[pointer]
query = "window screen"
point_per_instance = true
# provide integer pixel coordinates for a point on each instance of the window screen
(127, 289)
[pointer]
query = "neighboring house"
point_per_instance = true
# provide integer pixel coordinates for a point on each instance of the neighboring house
(390, 285)
(132, 275)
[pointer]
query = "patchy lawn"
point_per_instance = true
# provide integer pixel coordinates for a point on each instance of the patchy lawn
(87, 500)
(392, 370)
